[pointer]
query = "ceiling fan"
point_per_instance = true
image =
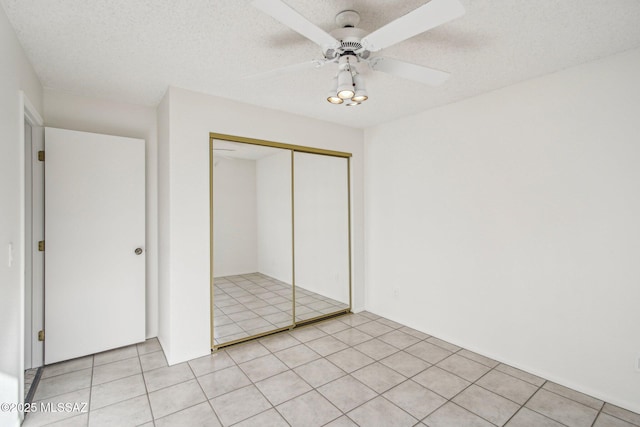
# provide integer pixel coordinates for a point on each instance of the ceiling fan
(349, 46)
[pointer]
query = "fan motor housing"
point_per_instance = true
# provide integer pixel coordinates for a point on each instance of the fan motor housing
(349, 38)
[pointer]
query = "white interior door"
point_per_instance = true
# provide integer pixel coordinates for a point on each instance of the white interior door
(94, 222)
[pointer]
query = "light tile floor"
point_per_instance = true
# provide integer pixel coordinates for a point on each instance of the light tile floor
(251, 304)
(355, 370)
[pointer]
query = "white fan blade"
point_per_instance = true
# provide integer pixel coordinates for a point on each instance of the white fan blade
(426, 17)
(409, 71)
(315, 64)
(292, 19)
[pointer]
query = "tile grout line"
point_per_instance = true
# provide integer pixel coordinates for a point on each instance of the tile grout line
(539, 387)
(378, 361)
(460, 392)
(513, 376)
(93, 361)
(375, 360)
(597, 415)
(64, 373)
(145, 387)
(320, 357)
(88, 403)
(615, 416)
(254, 384)
(524, 405)
(484, 388)
(312, 387)
(350, 374)
(232, 283)
(381, 396)
(206, 398)
(64, 392)
(494, 392)
(573, 400)
(539, 413)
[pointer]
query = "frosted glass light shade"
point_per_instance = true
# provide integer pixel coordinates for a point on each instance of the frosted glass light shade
(334, 99)
(361, 92)
(345, 85)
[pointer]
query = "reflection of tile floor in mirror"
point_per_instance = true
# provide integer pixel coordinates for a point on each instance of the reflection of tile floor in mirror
(250, 304)
(354, 370)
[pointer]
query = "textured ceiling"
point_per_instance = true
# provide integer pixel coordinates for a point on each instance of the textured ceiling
(131, 50)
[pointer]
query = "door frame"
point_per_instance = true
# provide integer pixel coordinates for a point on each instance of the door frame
(29, 114)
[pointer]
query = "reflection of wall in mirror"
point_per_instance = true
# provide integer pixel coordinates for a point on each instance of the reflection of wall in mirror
(322, 225)
(273, 184)
(252, 216)
(234, 217)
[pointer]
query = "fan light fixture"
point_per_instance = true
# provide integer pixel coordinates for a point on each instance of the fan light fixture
(333, 97)
(345, 84)
(348, 44)
(347, 87)
(361, 91)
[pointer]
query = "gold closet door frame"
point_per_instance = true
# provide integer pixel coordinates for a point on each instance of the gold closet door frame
(293, 148)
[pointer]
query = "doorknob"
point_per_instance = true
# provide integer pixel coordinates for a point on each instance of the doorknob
(138, 251)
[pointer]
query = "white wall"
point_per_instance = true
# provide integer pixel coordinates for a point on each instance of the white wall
(16, 74)
(191, 117)
(508, 223)
(273, 181)
(72, 112)
(235, 234)
(164, 217)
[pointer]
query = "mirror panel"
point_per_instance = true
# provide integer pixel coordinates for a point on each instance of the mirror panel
(321, 230)
(252, 240)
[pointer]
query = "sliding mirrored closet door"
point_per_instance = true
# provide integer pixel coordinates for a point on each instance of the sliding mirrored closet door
(252, 240)
(321, 230)
(280, 239)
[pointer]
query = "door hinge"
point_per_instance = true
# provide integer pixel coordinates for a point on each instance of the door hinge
(41, 245)
(40, 335)
(41, 155)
